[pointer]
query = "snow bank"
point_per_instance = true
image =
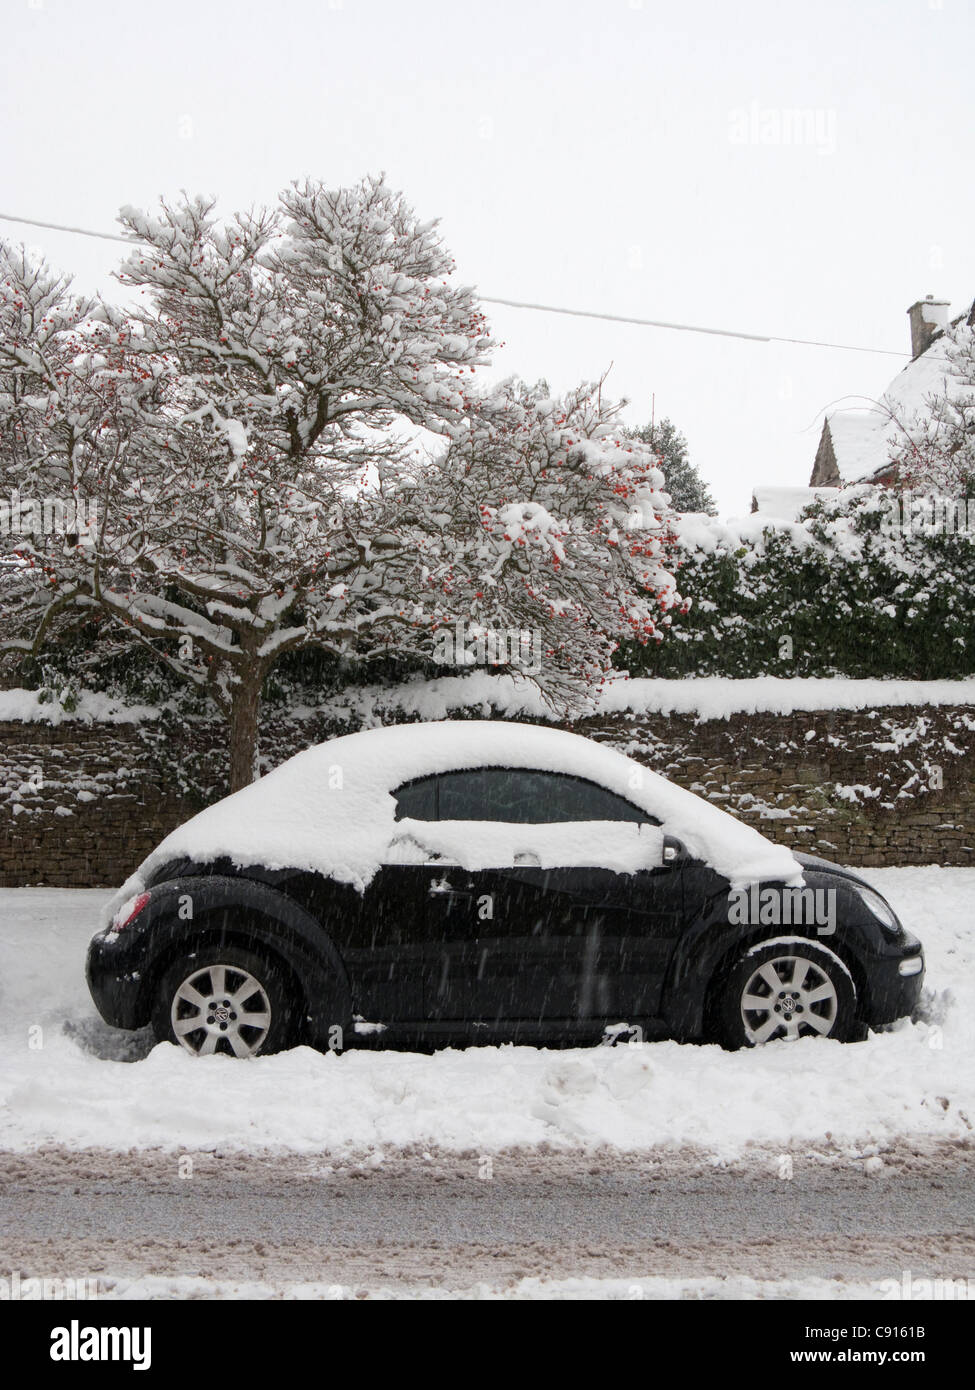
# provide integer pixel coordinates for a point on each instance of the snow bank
(529, 1289)
(59, 1083)
(330, 809)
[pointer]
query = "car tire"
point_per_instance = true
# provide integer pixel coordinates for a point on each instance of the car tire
(786, 989)
(243, 1004)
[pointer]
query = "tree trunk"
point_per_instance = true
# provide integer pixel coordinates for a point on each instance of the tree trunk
(245, 714)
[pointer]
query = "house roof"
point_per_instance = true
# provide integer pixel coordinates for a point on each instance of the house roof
(863, 438)
(857, 441)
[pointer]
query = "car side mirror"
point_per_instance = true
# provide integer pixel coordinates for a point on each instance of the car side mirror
(673, 851)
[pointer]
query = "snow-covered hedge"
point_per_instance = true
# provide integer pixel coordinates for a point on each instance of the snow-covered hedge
(842, 591)
(839, 592)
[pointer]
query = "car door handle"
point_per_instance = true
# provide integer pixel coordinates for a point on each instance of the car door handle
(440, 888)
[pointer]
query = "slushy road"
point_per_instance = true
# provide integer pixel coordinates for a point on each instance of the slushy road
(450, 1221)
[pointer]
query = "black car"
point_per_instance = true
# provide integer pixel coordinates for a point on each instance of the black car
(472, 882)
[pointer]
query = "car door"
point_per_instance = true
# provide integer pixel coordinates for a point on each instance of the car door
(388, 951)
(544, 929)
(577, 941)
(626, 926)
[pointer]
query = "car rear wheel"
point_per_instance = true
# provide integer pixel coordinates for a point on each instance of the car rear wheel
(786, 990)
(223, 999)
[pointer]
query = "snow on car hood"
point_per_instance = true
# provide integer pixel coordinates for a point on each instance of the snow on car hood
(330, 809)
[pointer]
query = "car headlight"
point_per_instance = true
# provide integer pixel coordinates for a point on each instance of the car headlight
(879, 909)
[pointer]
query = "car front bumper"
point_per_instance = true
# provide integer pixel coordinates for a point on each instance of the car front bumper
(894, 986)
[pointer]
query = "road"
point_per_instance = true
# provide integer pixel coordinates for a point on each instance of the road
(450, 1221)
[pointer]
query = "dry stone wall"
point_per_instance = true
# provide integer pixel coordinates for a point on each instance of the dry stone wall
(82, 803)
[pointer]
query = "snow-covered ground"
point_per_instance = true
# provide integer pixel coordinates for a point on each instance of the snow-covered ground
(65, 1078)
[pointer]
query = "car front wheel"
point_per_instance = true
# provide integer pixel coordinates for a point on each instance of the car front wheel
(224, 999)
(785, 990)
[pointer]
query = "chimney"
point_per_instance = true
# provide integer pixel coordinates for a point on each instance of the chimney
(928, 317)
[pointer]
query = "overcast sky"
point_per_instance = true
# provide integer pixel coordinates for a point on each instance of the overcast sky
(635, 158)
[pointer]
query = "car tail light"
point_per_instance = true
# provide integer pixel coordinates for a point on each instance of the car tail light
(129, 910)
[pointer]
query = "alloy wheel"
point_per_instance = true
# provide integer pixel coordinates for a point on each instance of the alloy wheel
(221, 1008)
(788, 997)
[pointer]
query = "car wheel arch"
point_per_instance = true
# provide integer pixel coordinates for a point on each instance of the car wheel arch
(758, 936)
(262, 916)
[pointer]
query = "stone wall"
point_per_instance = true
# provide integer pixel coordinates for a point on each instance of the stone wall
(878, 787)
(82, 804)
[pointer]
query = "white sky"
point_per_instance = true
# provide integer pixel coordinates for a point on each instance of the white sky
(578, 152)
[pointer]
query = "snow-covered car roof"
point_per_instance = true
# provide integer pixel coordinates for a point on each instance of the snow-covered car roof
(330, 809)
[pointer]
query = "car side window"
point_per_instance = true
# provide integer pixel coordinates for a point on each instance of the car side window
(417, 800)
(524, 797)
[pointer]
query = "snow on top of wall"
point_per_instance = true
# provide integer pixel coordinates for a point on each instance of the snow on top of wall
(708, 697)
(330, 808)
(714, 697)
(89, 706)
(430, 700)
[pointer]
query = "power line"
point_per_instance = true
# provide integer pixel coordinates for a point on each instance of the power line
(687, 327)
(542, 308)
(621, 318)
(56, 227)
